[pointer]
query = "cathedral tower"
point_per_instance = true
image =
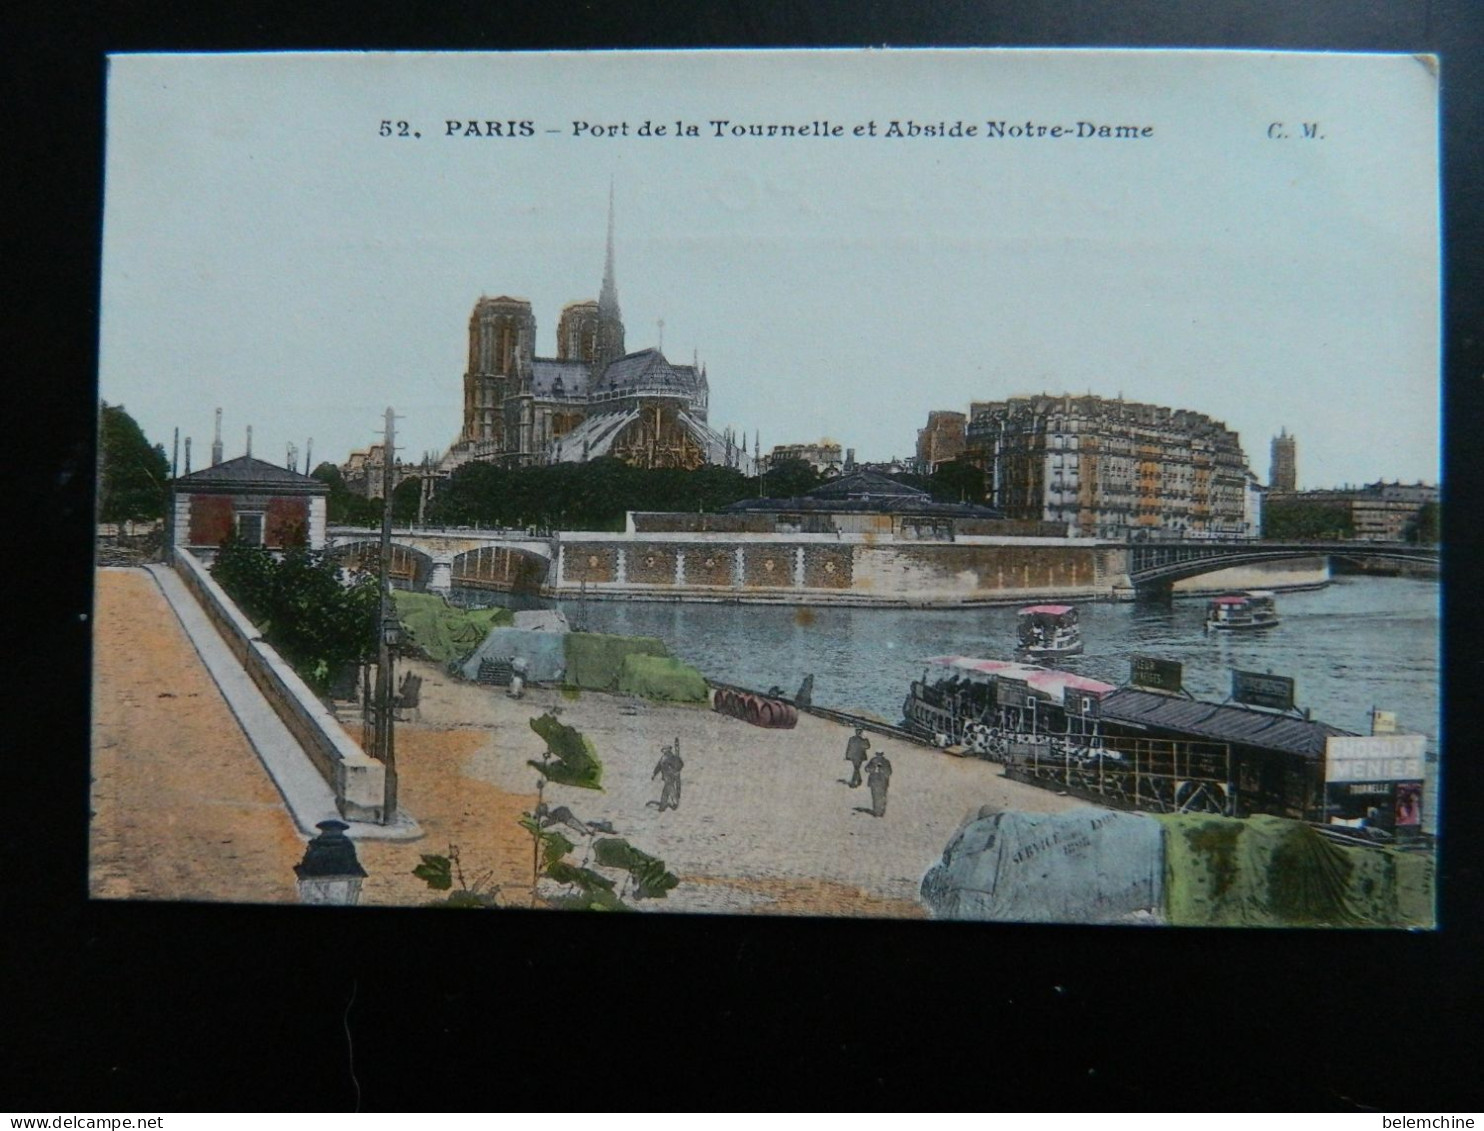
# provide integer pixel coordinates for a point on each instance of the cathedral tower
(1283, 467)
(577, 332)
(502, 345)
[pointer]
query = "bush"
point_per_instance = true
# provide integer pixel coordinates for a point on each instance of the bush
(317, 624)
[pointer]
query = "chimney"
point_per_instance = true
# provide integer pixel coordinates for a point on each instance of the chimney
(308, 450)
(216, 443)
(249, 440)
(188, 456)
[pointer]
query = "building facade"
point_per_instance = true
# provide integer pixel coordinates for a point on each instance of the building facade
(1112, 468)
(942, 441)
(826, 457)
(593, 399)
(258, 503)
(1379, 512)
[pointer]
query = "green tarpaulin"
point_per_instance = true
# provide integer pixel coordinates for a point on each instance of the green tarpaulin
(595, 660)
(441, 631)
(661, 677)
(1271, 872)
(1191, 870)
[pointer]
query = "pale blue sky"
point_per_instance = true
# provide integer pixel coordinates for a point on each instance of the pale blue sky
(267, 252)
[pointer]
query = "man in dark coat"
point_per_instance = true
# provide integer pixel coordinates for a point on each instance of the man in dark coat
(857, 750)
(878, 777)
(668, 770)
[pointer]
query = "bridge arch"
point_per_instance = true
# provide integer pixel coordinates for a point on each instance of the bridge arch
(410, 567)
(505, 569)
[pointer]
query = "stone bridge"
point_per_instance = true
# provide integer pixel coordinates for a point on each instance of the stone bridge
(1155, 566)
(438, 559)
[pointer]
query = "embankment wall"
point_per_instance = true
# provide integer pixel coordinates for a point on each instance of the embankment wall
(357, 779)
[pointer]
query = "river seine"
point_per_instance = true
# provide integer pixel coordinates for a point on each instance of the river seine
(1359, 643)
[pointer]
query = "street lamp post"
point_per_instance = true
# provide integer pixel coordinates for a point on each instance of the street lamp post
(388, 636)
(330, 874)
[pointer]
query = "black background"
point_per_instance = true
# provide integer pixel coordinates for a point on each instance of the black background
(154, 1007)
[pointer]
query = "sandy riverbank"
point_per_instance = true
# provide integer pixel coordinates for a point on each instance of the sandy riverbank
(766, 823)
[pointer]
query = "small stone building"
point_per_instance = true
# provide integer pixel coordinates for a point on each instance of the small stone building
(261, 503)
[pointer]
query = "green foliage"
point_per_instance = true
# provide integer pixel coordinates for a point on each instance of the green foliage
(133, 479)
(957, 481)
(1306, 521)
(571, 758)
(316, 623)
(344, 507)
(590, 496)
(585, 879)
(436, 872)
(790, 478)
(651, 880)
(440, 872)
(1426, 527)
(405, 499)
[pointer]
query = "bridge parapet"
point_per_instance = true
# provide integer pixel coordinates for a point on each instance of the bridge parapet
(1158, 564)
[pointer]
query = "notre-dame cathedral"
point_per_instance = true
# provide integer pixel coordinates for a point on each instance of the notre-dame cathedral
(593, 399)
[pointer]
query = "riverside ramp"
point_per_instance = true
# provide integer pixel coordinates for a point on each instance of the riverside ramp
(307, 796)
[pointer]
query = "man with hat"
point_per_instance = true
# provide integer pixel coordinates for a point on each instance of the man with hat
(856, 752)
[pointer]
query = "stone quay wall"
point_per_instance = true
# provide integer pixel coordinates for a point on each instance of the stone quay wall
(357, 779)
(827, 569)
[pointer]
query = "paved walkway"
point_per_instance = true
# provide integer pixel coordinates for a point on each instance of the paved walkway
(304, 790)
(182, 808)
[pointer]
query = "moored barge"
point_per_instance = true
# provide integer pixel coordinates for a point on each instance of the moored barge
(1131, 746)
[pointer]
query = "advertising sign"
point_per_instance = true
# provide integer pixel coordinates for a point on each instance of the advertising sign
(1387, 757)
(1259, 690)
(1161, 675)
(1080, 702)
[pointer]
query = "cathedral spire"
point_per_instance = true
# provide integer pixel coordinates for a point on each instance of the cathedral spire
(608, 295)
(610, 319)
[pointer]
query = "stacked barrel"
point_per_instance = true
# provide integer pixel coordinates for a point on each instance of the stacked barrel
(759, 710)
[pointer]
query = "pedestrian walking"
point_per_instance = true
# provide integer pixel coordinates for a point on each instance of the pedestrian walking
(878, 777)
(668, 770)
(857, 750)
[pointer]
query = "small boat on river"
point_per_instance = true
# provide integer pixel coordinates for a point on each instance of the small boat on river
(1048, 631)
(1241, 611)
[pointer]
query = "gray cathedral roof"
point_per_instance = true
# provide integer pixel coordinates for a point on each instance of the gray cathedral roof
(646, 371)
(547, 371)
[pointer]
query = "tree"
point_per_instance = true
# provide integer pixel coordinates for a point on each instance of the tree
(405, 500)
(790, 478)
(957, 481)
(134, 477)
(1307, 521)
(1425, 525)
(344, 507)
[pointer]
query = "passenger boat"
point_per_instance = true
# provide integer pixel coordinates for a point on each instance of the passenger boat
(1237, 611)
(1046, 631)
(1129, 747)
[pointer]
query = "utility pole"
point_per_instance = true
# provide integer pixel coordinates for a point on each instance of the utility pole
(386, 633)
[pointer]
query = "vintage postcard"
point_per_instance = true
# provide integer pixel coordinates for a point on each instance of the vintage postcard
(971, 485)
